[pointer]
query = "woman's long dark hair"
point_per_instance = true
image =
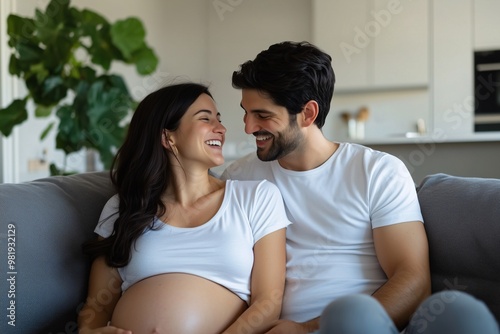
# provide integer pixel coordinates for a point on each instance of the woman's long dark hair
(141, 170)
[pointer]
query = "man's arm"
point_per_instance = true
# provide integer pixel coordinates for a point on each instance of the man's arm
(402, 251)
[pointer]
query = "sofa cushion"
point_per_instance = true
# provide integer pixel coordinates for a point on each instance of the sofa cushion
(462, 221)
(52, 217)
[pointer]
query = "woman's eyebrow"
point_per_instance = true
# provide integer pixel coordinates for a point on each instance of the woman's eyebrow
(206, 111)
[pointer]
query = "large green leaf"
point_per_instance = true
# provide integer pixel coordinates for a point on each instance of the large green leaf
(70, 135)
(46, 27)
(48, 92)
(16, 67)
(43, 111)
(80, 100)
(128, 35)
(145, 60)
(14, 114)
(59, 51)
(58, 10)
(91, 21)
(29, 52)
(54, 88)
(20, 29)
(102, 49)
(57, 31)
(117, 82)
(107, 106)
(105, 102)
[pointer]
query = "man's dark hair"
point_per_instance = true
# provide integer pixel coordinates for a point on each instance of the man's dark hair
(291, 73)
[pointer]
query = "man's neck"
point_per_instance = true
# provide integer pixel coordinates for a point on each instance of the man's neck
(314, 151)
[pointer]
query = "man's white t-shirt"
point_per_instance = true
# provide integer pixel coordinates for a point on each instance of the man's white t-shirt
(220, 250)
(333, 208)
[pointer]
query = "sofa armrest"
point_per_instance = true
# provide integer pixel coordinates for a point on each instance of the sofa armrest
(462, 221)
(51, 218)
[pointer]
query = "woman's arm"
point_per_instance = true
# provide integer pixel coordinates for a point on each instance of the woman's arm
(103, 293)
(267, 286)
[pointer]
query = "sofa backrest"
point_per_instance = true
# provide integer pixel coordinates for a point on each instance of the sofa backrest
(45, 223)
(462, 221)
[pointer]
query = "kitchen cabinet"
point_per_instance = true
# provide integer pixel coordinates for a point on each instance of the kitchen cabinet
(486, 24)
(375, 44)
(401, 51)
(452, 69)
(334, 26)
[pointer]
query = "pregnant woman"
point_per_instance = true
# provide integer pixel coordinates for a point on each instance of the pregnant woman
(180, 251)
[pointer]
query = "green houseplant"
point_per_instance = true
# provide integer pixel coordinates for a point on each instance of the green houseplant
(63, 55)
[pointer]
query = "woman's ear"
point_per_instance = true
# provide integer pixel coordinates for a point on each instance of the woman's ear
(309, 113)
(167, 141)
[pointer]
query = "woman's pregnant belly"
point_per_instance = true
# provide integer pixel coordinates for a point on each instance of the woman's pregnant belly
(177, 304)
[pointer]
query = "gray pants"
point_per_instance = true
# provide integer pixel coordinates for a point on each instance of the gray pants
(444, 312)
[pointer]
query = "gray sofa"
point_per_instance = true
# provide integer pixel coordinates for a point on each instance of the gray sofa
(50, 218)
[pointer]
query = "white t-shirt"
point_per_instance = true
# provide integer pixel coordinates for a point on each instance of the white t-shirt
(220, 250)
(333, 208)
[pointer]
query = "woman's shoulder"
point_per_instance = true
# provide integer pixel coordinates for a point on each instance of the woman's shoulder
(257, 189)
(252, 184)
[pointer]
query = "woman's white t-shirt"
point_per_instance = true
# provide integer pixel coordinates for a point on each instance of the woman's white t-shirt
(220, 250)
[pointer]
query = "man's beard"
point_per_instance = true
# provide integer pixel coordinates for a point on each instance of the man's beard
(284, 143)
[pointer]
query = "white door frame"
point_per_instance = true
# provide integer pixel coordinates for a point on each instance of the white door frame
(9, 147)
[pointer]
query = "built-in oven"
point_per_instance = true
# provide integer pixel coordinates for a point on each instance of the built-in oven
(487, 90)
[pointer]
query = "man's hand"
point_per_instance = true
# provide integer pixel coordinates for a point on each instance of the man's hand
(291, 327)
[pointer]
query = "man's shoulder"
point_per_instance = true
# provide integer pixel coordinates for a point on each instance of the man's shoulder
(249, 167)
(368, 154)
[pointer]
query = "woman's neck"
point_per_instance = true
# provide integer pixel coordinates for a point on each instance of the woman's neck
(188, 187)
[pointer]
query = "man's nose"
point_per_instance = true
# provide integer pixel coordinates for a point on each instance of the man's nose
(250, 125)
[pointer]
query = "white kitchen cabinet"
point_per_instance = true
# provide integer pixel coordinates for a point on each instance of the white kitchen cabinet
(401, 50)
(452, 69)
(375, 44)
(486, 24)
(334, 24)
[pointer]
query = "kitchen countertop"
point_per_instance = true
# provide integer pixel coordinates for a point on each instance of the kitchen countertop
(414, 138)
